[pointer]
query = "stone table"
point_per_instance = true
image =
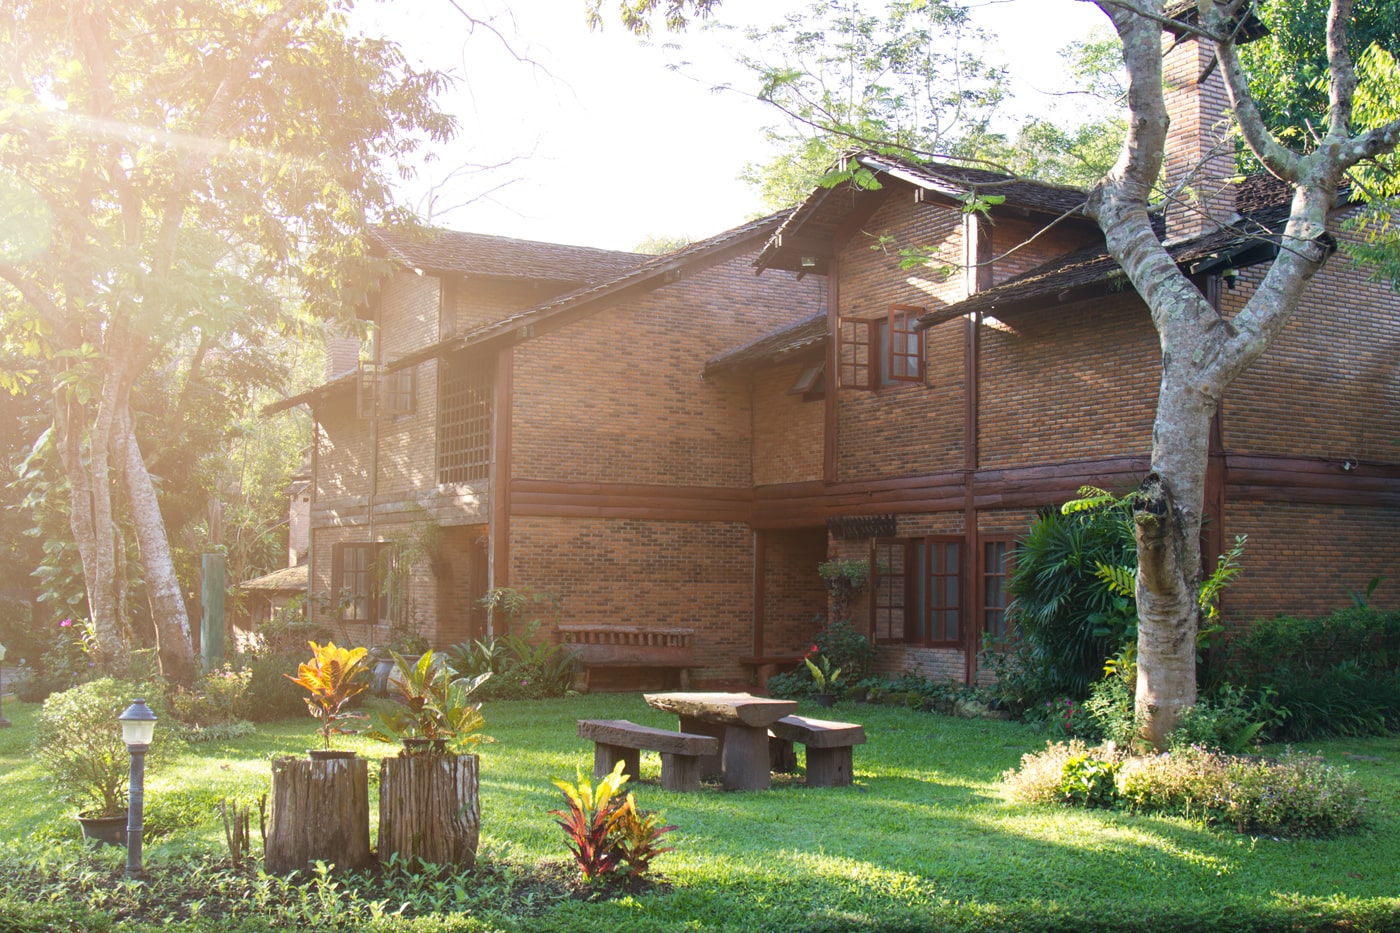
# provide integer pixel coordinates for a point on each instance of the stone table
(740, 721)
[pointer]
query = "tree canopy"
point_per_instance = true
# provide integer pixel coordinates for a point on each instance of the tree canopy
(172, 176)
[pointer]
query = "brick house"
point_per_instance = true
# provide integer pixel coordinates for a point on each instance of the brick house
(675, 441)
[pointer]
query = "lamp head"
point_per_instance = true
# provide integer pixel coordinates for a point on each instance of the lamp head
(138, 724)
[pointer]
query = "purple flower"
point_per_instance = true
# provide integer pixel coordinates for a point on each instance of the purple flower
(65, 623)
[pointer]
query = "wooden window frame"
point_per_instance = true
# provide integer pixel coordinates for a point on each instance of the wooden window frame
(877, 353)
(362, 598)
(857, 354)
(400, 391)
(904, 363)
(922, 555)
(986, 575)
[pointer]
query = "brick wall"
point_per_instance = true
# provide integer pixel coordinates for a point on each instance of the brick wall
(793, 591)
(619, 397)
(904, 430)
(1303, 559)
(1328, 386)
(665, 574)
(1071, 383)
(788, 430)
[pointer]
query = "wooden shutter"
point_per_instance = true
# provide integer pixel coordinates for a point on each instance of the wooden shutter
(855, 354)
(906, 348)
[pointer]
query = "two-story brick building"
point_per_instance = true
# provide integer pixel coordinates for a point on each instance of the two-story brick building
(676, 441)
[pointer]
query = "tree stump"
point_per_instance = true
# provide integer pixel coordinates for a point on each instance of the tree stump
(429, 808)
(320, 812)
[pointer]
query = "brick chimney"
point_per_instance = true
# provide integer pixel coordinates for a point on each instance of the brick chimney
(342, 356)
(1200, 151)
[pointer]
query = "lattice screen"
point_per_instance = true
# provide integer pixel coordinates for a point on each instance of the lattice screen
(465, 415)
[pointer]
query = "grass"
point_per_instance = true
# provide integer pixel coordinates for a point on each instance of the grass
(924, 841)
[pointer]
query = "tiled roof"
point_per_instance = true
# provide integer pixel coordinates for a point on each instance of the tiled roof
(794, 338)
(455, 252)
(819, 218)
(1263, 203)
(286, 580)
(650, 274)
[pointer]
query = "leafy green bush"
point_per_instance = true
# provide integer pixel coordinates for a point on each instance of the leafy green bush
(1041, 775)
(1295, 795)
(1110, 708)
(523, 666)
(1089, 781)
(1228, 720)
(1335, 675)
(79, 742)
(270, 695)
(843, 648)
(1061, 606)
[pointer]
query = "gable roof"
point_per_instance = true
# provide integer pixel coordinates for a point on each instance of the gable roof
(1263, 203)
(640, 278)
(816, 222)
(452, 252)
(776, 347)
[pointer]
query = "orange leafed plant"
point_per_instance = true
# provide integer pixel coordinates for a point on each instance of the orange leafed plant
(333, 677)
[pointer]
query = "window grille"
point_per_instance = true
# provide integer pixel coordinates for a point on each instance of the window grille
(466, 412)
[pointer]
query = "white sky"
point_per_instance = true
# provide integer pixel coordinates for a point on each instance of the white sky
(610, 145)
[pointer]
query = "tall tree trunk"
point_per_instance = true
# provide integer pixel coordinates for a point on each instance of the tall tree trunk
(90, 516)
(172, 624)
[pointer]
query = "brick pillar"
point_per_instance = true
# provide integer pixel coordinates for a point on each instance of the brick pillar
(1200, 151)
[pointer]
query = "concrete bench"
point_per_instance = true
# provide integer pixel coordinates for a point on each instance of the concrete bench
(629, 646)
(617, 740)
(829, 748)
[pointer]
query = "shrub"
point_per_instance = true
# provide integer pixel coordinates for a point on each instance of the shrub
(270, 695)
(842, 647)
(1188, 782)
(1110, 708)
(1041, 776)
(79, 742)
(1335, 675)
(217, 698)
(1089, 781)
(606, 830)
(1295, 795)
(1228, 720)
(523, 667)
(1059, 601)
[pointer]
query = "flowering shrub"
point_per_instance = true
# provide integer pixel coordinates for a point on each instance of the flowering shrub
(216, 701)
(1064, 718)
(1293, 795)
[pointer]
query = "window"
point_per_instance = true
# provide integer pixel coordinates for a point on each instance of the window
(366, 578)
(399, 387)
(996, 563)
(466, 411)
(874, 353)
(917, 597)
(355, 581)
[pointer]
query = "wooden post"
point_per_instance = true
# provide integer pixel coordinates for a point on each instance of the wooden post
(746, 758)
(606, 757)
(320, 812)
(710, 765)
(430, 808)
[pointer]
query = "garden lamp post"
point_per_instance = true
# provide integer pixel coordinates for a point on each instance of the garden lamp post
(3, 721)
(138, 727)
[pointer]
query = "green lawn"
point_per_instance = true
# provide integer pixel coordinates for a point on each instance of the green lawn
(925, 841)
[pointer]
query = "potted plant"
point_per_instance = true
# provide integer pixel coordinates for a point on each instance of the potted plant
(79, 742)
(825, 679)
(435, 714)
(333, 677)
(429, 801)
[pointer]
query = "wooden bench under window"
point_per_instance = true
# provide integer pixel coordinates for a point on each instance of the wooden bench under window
(617, 740)
(829, 748)
(629, 646)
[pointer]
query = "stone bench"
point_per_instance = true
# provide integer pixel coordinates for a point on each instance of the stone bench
(617, 740)
(629, 646)
(829, 748)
